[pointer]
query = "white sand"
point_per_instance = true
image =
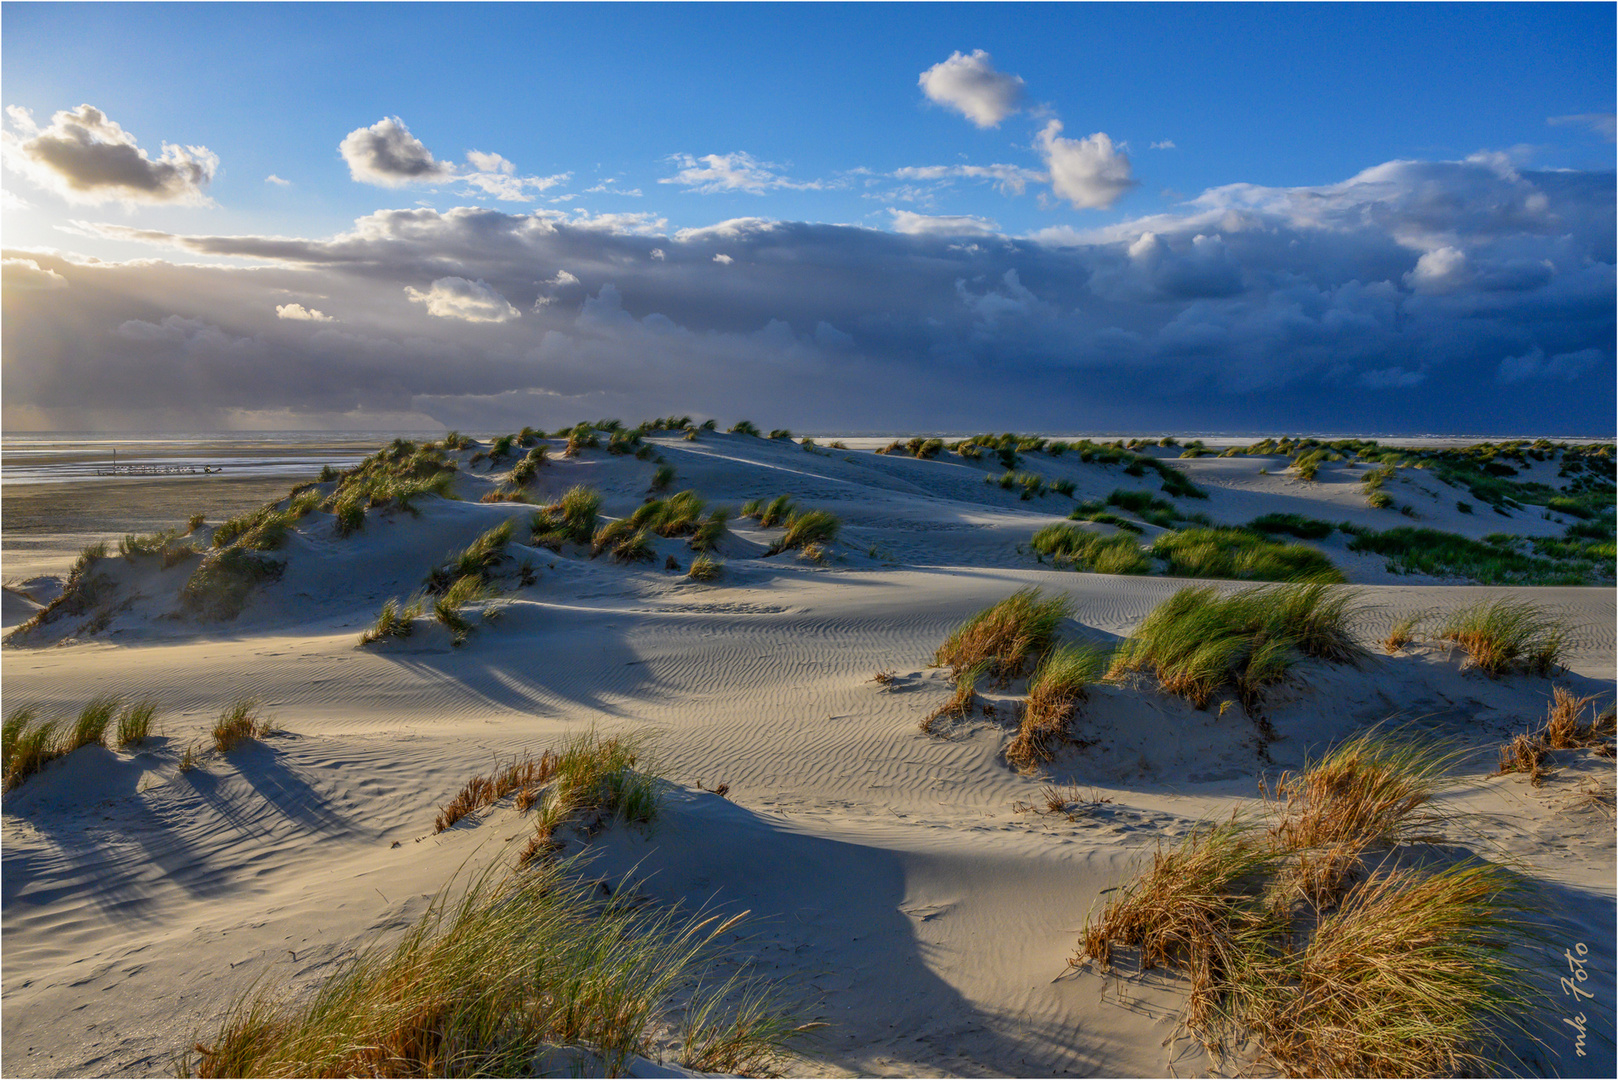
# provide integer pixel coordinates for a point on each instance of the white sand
(892, 884)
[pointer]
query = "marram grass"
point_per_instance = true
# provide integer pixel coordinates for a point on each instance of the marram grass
(1006, 637)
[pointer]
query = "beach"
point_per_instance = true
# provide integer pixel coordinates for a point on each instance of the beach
(902, 887)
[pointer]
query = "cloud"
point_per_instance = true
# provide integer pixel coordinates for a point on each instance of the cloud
(972, 87)
(723, 259)
(1166, 144)
(277, 181)
(508, 188)
(299, 313)
(1248, 307)
(27, 274)
(387, 155)
(740, 171)
(1535, 365)
(1009, 179)
(85, 157)
(468, 301)
(942, 225)
(1089, 173)
(1604, 124)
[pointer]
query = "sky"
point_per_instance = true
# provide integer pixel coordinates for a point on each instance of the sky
(1382, 218)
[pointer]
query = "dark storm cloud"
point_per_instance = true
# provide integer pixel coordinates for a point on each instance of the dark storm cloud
(1416, 296)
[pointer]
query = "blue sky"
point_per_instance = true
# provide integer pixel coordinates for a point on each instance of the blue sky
(618, 127)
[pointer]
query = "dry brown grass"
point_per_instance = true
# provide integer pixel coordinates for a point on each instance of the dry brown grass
(959, 704)
(1564, 729)
(524, 775)
(1063, 802)
(1054, 694)
(1006, 637)
(1401, 633)
(1378, 972)
(886, 679)
(239, 723)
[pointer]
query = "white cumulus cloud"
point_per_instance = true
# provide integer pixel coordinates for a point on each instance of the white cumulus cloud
(299, 313)
(972, 87)
(1441, 270)
(468, 301)
(723, 259)
(386, 154)
(28, 274)
(1010, 179)
(1090, 173)
(85, 157)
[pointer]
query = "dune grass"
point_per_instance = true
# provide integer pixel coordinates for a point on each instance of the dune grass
(703, 568)
(447, 608)
(523, 775)
(135, 723)
(1403, 631)
(1364, 971)
(90, 729)
(239, 723)
(1085, 550)
(1007, 636)
(477, 560)
(1058, 686)
(571, 519)
(1564, 729)
(219, 588)
(773, 513)
(395, 620)
(523, 473)
(961, 701)
(1239, 555)
(1199, 643)
(1411, 550)
(807, 529)
(1303, 528)
(492, 975)
(708, 533)
(1504, 636)
(30, 743)
(744, 427)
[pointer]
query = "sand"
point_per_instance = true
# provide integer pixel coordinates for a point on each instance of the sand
(893, 885)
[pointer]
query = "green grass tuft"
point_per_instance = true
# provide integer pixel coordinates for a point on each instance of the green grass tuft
(1242, 556)
(1007, 636)
(1505, 636)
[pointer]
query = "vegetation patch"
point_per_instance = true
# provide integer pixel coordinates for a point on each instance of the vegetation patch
(1059, 684)
(806, 530)
(1242, 556)
(1504, 636)
(493, 975)
(1411, 550)
(219, 588)
(1354, 970)
(1303, 528)
(571, 519)
(1007, 637)
(395, 620)
(1199, 643)
(238, 724)
(1565, 728)
(1086, 550)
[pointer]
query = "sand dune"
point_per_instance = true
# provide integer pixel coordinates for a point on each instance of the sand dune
(895, 888)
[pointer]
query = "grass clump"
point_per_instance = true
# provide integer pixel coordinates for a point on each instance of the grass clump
(1402, 632)
(219, 588)
(703, 569)
(1240, 555)
(572, 519)
(239, 723)
(477, 560)
(1411, 550)
(709, 531)
(1006, 637)
(491, 976)
(30, 743)
(395, 620)
(1564, 729)
(663, 477)
(1198, 643)
(135, 723)
(744, 427)
(810, 528)
(1504, 636)
(1085, 550)
(447, 607)
(1057, 688)
(523, 473)
(523, 775)
(1293, 525)
(959, 704)
(1379, 971)
(90, 729)
(772, 513)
